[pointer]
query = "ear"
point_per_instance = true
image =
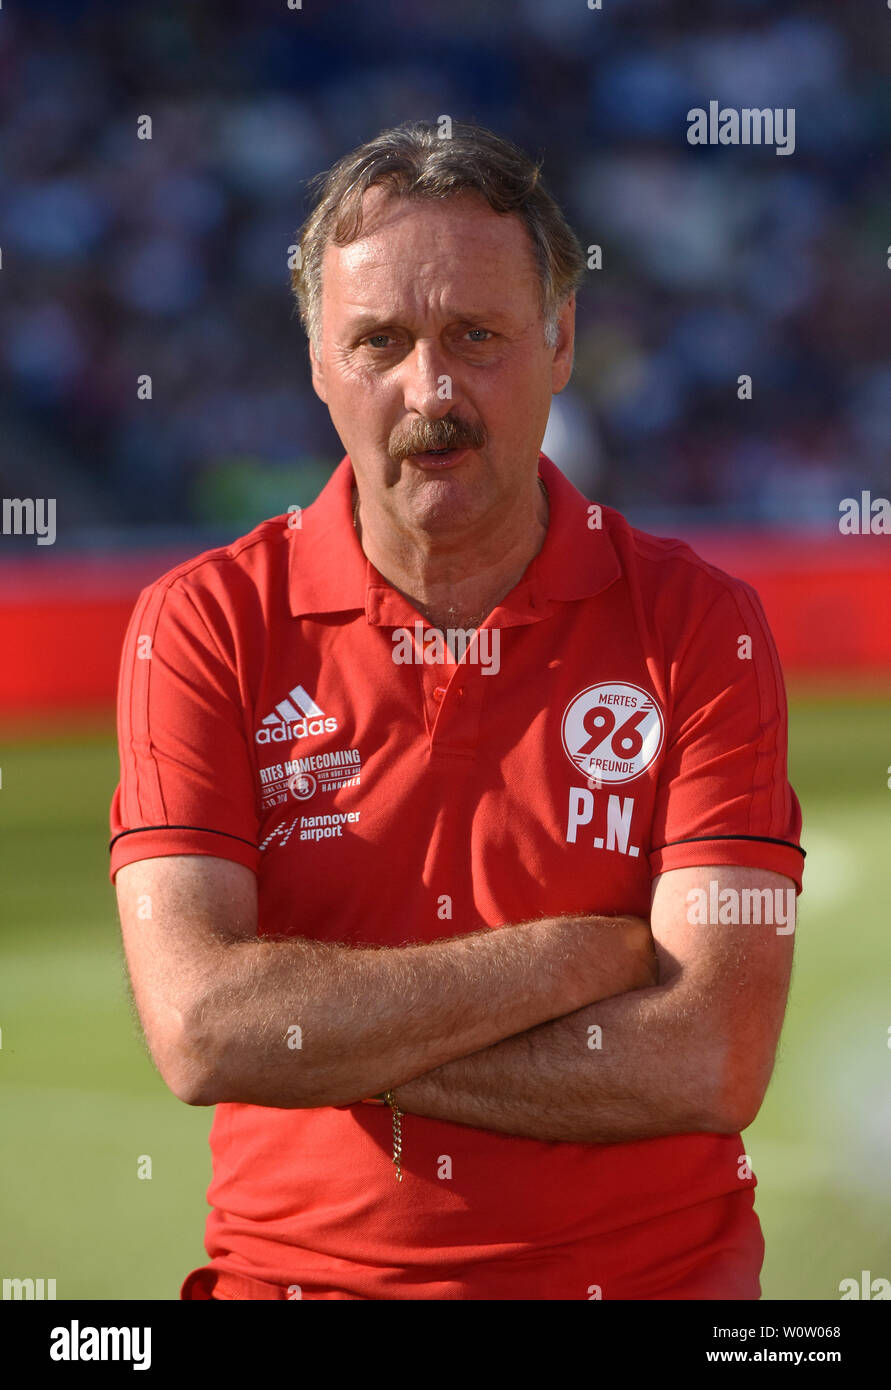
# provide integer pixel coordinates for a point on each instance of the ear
(318, 375)
(561, 364)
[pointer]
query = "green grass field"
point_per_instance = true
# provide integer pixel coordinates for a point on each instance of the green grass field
(82, 1102)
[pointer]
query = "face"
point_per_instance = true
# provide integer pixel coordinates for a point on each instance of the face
(432, 338)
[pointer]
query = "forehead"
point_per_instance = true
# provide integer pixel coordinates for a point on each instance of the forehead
(411, 248)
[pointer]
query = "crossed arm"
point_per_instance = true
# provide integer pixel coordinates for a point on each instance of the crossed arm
(498, 1029)
(692, 1053)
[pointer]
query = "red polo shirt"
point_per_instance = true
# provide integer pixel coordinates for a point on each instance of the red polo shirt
(616, 724)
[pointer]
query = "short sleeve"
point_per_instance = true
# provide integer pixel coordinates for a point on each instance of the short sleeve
(723, 795)
(186, 778)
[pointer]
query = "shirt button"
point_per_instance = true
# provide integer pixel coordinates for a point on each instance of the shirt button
(439, 692)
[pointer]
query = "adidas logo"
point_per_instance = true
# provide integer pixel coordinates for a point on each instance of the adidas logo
(296, 717)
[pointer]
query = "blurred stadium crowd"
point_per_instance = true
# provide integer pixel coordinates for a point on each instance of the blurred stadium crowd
(168, 256)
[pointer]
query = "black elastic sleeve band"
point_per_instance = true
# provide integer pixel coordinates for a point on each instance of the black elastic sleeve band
(705, 839)
(204, 829)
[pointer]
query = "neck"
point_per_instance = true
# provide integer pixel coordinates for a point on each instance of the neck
(455, 583)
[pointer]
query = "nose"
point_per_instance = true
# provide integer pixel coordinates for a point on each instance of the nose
(426, 382)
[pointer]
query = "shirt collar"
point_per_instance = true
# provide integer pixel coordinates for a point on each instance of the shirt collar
(333, 575)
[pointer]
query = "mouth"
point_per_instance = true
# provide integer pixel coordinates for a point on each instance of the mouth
(438, 458)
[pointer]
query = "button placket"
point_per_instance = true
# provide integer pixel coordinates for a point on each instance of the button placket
(455, 710)
(438, 692)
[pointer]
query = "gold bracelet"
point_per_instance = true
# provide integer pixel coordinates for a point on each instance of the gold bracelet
(390, 1098)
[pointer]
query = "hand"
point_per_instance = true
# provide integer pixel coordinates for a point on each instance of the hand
(642, 953)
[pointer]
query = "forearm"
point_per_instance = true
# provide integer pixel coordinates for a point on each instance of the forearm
(648, 1072)
(299, 1023)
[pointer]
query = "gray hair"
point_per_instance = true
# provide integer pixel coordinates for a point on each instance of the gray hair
(414, 161)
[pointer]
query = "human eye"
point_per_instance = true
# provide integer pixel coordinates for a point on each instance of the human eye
(479, 330)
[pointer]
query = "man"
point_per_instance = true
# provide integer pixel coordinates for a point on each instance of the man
(454, 849)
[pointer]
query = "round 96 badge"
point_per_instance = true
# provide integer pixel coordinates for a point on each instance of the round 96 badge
(612, 732)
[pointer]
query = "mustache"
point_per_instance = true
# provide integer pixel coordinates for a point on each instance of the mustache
(448, 433)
